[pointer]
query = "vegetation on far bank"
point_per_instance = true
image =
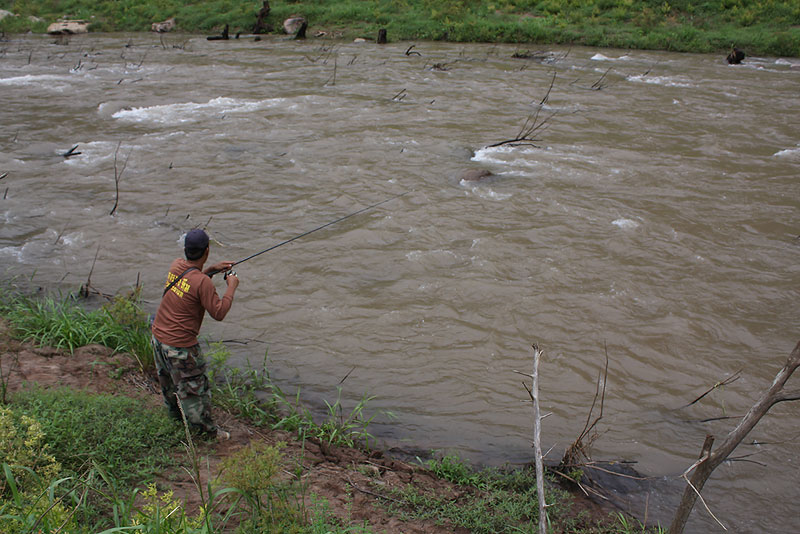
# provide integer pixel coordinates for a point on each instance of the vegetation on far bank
(60, 473)
(761, 27)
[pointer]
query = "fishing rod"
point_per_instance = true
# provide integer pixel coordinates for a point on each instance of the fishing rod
(340, 219)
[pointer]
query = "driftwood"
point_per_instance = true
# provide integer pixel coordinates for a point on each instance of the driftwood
(709, 460)
(223, 37)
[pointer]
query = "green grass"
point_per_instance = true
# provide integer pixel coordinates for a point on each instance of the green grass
(500, 501)
(75, 462)
(64, 324)
(765, 27)
(251, 394)
(119, 434)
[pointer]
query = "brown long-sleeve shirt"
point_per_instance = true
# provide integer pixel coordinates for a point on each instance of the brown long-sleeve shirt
(182, 309)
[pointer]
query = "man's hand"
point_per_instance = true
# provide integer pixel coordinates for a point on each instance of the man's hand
(232, 280)
(219, 267)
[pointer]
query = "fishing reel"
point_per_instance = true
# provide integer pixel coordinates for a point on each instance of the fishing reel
(228, 273)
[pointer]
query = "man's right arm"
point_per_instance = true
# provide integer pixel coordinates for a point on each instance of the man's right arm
(215, 306)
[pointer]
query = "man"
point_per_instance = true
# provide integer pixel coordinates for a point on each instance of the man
(189, 294)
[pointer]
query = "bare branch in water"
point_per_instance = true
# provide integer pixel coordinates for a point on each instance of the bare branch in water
(533, 123)
(730, 379)
(118, 176)
(70, 152)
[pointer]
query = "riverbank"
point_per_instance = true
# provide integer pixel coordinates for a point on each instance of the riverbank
(759, 28)
(276, 472)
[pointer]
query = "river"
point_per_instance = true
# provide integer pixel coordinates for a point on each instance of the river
(654, 218)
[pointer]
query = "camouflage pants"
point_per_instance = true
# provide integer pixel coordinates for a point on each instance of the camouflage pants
(182, 376)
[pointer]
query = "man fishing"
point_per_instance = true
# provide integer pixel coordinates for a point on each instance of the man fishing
(189, 293)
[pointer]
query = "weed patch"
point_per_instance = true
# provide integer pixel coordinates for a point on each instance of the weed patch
(116, 433)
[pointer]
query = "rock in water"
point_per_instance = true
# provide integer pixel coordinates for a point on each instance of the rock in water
(292, 24)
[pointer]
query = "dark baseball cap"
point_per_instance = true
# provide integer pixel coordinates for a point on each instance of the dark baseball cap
(196, 239)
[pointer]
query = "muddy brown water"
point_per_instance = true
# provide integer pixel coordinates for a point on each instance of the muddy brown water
(657, 220)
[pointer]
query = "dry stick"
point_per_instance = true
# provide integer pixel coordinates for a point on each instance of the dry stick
(367, 492)
(537, 442)
(61, 233)
(118, 176)
(332, 78)
(731, 378)
(585, 489)
(398, 95)
(84, 291)
(599, 83)
(710, 460)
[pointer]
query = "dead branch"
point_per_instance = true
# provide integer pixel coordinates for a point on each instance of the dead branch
(87, 287)
(730, 379)
(408, 51)
(70, 152)
(710, 460)
(400, 96)
(600, 84)
(537, 441)
(118, 176)
(332, 79)
(579, 452)
(532, 124)
(61, 233)
(540, 56)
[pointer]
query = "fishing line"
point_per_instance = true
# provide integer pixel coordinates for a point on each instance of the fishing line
(340, 219)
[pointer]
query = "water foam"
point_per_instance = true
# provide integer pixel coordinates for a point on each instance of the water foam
(496, 155)
(625, 224)
(485, 192)
(13, 252)
(41, 81)
(791, 153)
(194, 112)
(601, 57)
(668, 81)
